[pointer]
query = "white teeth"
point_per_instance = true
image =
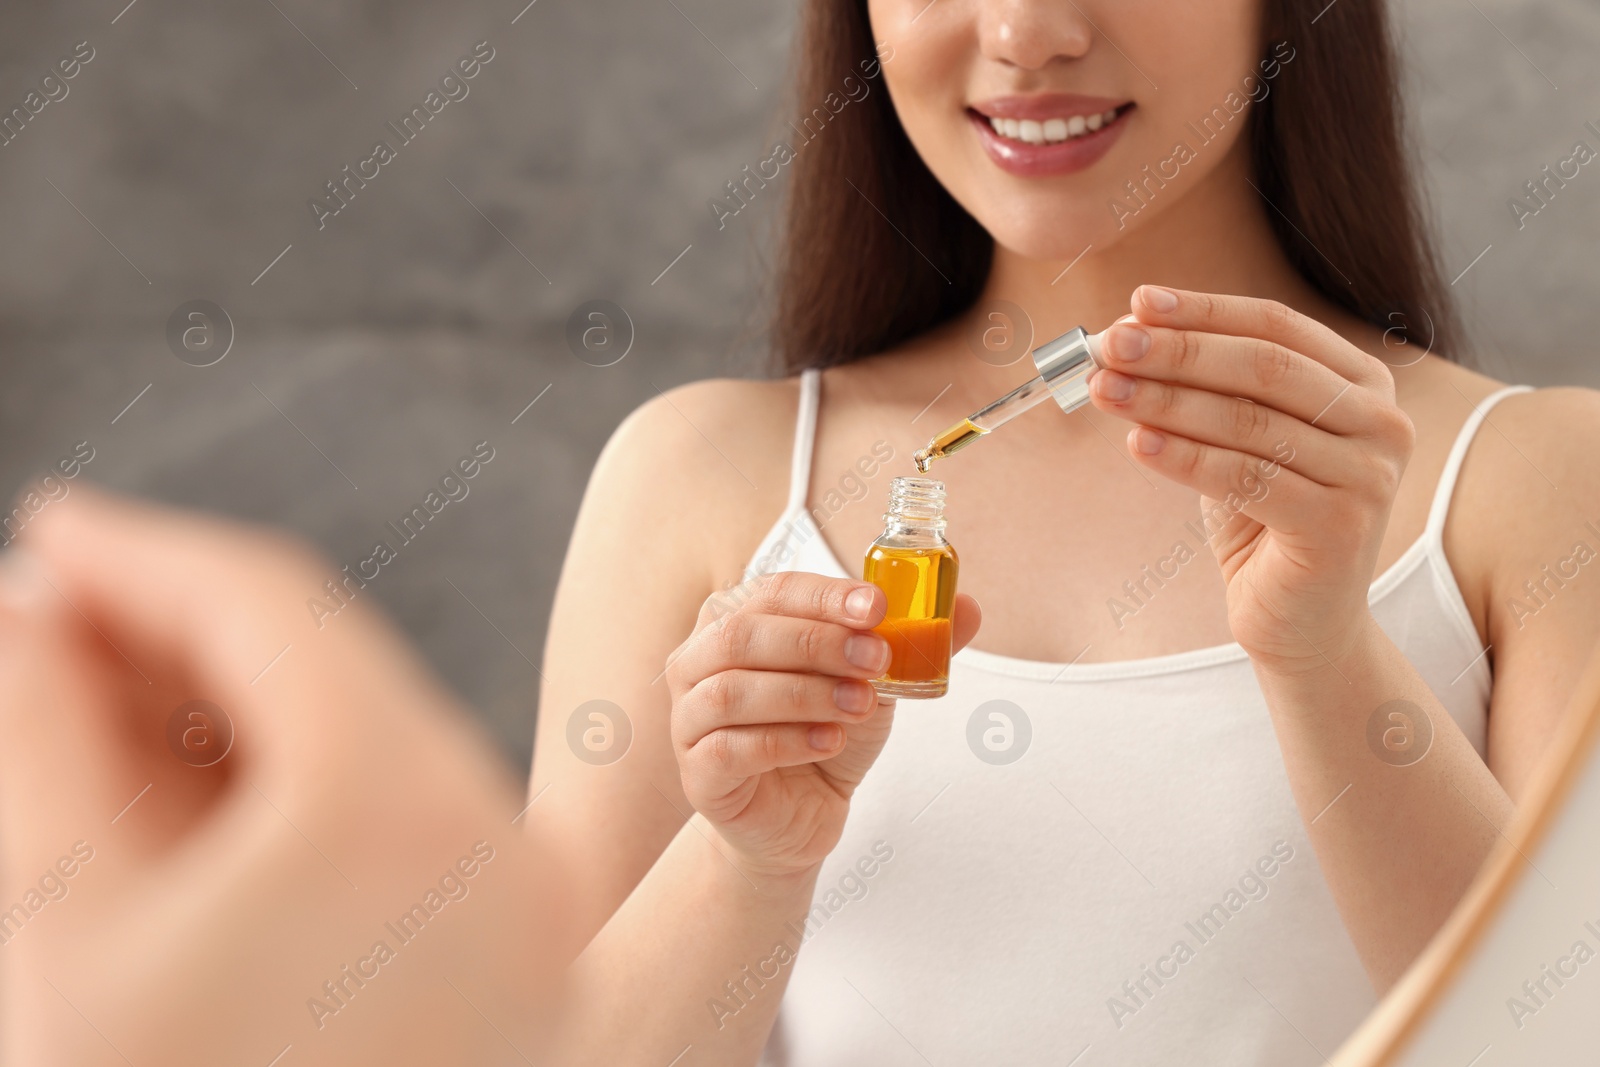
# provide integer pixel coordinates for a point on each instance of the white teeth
(1051, 131)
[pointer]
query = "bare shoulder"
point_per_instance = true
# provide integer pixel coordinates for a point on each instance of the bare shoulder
(710, 458)
(1562, 421)
(1525, 498)
(1534, 482)
(1532, 461)
(708, 431)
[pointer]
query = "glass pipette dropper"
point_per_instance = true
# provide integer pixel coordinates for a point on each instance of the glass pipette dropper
(1064, 366)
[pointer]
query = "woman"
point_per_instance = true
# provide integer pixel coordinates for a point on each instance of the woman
(1277, 635)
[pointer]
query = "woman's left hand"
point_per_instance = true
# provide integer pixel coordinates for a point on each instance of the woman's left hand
(1291, 435)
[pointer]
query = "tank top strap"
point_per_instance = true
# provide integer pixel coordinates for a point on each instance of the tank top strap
(805, 437)
(1434, 531)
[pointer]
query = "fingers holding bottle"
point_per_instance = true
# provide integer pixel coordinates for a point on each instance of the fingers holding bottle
(756, 640)
(774, 716)
(799, 653)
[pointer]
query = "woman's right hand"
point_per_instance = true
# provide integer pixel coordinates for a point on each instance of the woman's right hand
(774, 719)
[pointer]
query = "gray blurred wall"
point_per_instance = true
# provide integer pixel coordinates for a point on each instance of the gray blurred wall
(432, 309)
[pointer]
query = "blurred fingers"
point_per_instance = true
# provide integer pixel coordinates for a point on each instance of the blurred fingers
(83, 757)
(227, 609)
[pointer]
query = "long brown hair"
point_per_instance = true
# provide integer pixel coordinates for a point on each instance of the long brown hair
(874, 251)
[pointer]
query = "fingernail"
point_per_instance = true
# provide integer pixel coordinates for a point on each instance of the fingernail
(858, 605)
(1148, 442)
(823, 736)
(867, 651)
(22, 580)
(1129, 343)
(851, 696)
(1158, 299)
(1113, 386)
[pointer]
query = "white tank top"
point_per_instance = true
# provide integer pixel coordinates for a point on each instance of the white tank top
(1104, 867)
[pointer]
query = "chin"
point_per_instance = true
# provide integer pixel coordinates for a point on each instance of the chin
(1053, 235)
(1048, 228)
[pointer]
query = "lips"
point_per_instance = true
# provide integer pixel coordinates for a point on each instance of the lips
(1048, 134)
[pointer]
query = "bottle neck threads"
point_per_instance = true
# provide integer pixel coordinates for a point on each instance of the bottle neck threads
(916, 504)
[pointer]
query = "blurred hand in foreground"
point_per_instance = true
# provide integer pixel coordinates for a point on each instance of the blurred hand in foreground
(318, 863)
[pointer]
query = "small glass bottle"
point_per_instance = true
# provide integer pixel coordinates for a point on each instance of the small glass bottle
(916, 569)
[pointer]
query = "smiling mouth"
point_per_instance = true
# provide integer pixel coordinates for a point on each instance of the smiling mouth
(1054, 130)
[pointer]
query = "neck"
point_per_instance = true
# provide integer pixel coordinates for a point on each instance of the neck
(1213, 237)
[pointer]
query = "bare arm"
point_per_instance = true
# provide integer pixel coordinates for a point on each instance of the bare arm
(1398, 844)
(640, 564)
(699, 955)
(1527, 512)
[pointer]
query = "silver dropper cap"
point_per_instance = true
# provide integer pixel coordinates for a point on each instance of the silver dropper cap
(1065, 365)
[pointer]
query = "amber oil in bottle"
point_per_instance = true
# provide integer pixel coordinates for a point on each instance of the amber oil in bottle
(916, 569)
